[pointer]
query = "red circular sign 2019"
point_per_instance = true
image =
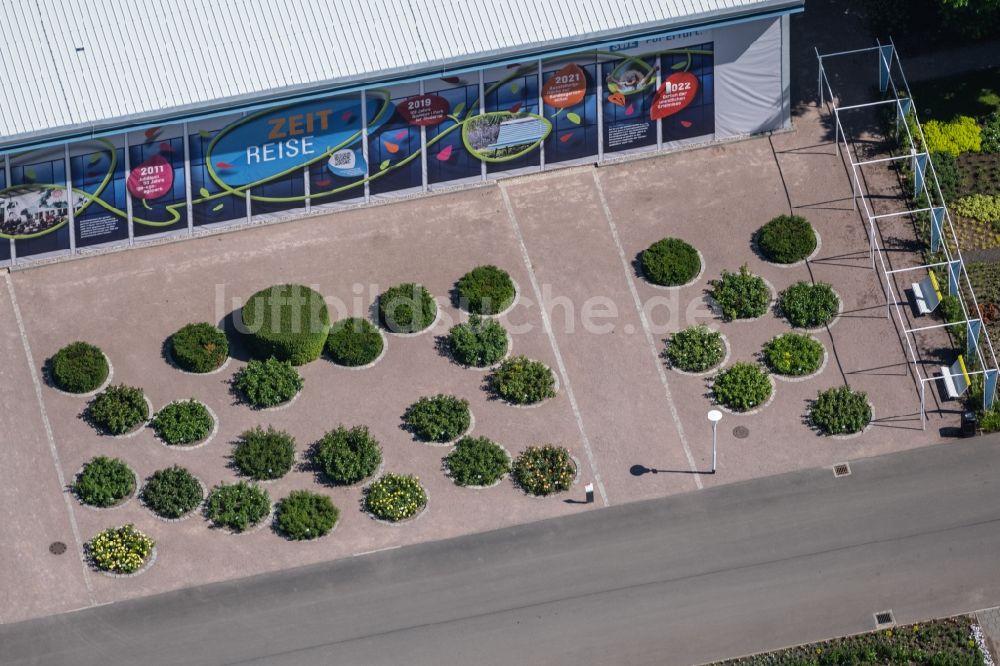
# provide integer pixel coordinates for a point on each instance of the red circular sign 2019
(675, 94)
(151, 179)
(565, 88)
(424, 110)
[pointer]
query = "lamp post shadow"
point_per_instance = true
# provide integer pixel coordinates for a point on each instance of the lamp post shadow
(639, 470)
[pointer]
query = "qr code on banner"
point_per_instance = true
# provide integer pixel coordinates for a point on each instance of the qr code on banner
(343, 159)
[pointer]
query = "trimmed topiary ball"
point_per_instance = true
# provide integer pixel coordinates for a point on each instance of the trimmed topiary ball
(287, 321)
(478, 343)
(406, 308)
(348, 455)
(695, 349)
(543, 470)
(237, 506)
(793, 354)
(354, 342)
(183, 422)
(268, 383)
(199, 347)
(395, 497)
(104, 482)
(742, 387)
(807, 305)
(786, 239)
(120, 550)
(477, 461)
(840, 411)
(79, 367)
(306, 515)
(264, 454)
(440, 418)
(485, 290)
(522, 381)
(670, 262)
(119, 409)
(172, 492)
(741, 295)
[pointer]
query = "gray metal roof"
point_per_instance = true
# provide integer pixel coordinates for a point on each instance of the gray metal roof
(73, 66)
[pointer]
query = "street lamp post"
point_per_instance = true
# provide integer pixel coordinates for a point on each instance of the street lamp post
(714, 416)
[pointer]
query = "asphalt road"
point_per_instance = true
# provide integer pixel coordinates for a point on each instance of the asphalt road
(688, 579)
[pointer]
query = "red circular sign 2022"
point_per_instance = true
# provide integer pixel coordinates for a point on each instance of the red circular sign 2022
(675, 94)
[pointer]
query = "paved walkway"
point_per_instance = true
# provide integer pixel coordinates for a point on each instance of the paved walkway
(693, 578)
(989, 620)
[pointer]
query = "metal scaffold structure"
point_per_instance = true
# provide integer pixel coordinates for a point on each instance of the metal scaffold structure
(976, 364)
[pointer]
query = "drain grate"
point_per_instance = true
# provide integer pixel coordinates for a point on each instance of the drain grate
(57, 548)
(884, 619)
(741, 432)
(841, 469)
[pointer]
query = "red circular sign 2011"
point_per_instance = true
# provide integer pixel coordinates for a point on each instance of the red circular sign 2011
(424, 110)
(675, 94)
(151, 179)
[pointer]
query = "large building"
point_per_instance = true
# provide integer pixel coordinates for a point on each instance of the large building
(127, 122)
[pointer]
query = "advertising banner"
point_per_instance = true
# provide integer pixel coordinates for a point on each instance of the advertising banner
(394, 146)
(447, 158)
(35, 206)
(569, 96)
(99, 190)
(508, 134)
(155, 180)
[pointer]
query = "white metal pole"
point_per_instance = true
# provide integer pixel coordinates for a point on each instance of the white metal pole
(715, 444)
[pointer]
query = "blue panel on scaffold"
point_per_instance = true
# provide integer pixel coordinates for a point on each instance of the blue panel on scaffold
(972, 329)
(885, 59)
(919, 169)
(937, 220)
(902, 110)
(989, 387)
(954, 271)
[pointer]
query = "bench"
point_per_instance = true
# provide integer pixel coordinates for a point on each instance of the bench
(955, 378)
(926, 294)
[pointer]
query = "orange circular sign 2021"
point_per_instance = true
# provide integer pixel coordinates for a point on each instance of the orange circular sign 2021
(565, 88)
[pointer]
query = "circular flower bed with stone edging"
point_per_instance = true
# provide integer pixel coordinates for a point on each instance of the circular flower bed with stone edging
(120, 550)
(395, 497)
(199, 348)
(348, 455)
(544, 470)
(742, 387)
(354, 342)
(670, 262)
(79, 367)
(104, 482)
(289, 322)
(485, 290)
(172, 493)
(477, 461)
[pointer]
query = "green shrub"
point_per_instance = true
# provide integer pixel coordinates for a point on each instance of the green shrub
(741, 295)
(787, 239)
(104, 482)
(441, 418)
(287, 321)
(479, 342)
(119, 408)
(395, 497)
(79, 367)
(543, 470)
(268, 383)
(348, 455)
(793, 354)
(950, 311)
(199, 347)
(840, 411)
(807, 305)
(353, 342)
(172, 492)
(237, 506)
(306, 515)
(991, 133)
(695, 349)
(989, 421)
(485, 290)
(406, 308)
(477, 461)
(979, 207)
(742, 387)
(120, 550)
(183, 422)
(264, 454)
(522, 381)
(948, 175)
(961, 135)
(670, 262)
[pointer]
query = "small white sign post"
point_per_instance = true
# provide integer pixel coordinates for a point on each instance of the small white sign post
(714, 416)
